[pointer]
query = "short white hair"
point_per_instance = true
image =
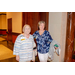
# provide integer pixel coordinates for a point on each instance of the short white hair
(25, 26)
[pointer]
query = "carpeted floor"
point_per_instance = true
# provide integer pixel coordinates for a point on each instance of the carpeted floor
(1, 39)
(5, 53)
(6, 50)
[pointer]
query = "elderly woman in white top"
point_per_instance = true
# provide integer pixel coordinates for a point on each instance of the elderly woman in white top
(23, 47)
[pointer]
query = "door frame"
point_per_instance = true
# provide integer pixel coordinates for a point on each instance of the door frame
(69, 37)
(8, 29)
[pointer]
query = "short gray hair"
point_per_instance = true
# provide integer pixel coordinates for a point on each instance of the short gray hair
(25, 26)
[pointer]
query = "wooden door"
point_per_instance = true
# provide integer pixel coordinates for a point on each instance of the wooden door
(10, 29)
(44, 16)
(32, 18)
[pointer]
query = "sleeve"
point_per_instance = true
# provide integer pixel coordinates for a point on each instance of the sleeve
(34, 35)
(16, 46)
(49, 37)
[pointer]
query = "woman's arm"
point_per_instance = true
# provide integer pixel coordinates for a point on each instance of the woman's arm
(17, 48)
(34, 35)
(17, 57)
(49, 37)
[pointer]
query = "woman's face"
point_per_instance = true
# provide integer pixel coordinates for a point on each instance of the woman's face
(27, 30)
(42, 26)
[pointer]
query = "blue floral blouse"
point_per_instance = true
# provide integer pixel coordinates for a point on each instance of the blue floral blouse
(43, 41)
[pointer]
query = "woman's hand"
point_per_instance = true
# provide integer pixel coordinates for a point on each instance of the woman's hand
(56, 48)
(17, 57)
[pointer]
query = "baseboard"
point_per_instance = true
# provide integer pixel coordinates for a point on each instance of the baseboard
(3, 31)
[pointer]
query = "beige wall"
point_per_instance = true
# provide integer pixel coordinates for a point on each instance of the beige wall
(16, 21)
(0, 22)
(3, 22)
(4, 26)
(63, 35)
(57, 29)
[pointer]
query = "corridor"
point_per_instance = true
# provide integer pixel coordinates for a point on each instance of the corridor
(6, 53)
(11, 24)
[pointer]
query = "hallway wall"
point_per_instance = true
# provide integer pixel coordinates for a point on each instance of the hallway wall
(57, 29)
(3, 22)
(3, 25)
(16, 24)
(16, 21)
(0, 22)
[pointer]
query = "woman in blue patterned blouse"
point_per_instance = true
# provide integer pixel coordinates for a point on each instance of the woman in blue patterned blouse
(43, 39)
